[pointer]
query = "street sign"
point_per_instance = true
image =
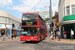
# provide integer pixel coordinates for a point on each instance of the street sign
(57, 23)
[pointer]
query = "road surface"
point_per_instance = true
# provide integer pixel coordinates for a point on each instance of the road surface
(43, 45)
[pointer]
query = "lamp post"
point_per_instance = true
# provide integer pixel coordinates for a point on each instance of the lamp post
(5, 30)
(50, 14)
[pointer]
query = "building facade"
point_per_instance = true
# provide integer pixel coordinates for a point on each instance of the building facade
(48, 25)
(6, 21)
(56, 20)
(66, 9)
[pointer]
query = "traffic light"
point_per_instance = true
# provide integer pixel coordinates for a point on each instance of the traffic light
(13, 25)
(52, 24)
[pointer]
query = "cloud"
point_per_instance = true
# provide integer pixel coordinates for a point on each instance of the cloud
(21, 9)
(43, 13)
(8, 8)
(54, 6)
(5, 2)
(27, 5)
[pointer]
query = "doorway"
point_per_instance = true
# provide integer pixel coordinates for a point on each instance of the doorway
(2, 32)
(68, 29)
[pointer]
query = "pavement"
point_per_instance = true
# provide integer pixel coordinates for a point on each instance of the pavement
(9, 39)
(61, 40)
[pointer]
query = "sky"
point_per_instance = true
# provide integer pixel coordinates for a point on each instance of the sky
(17, 7)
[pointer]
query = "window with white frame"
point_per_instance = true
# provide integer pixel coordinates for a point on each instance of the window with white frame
(73, 9)
(13, 21)
(16, 23)
(3, 20)
(9, 21)
(68, 10)
(64, 11)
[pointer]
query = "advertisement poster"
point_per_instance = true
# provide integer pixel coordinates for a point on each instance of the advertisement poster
(17, 33)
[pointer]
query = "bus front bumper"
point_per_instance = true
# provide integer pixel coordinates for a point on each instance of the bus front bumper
(28, 39)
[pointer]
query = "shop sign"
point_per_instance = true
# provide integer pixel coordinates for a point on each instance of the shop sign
(19, 27)
(57, 23)
(14, 27)
(9, 26)
(2, 25)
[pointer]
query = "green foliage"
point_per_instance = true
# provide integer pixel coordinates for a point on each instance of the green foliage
(53, 17)
(47, 19)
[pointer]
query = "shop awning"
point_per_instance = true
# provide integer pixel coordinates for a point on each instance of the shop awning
(66, 22)
(15, 29)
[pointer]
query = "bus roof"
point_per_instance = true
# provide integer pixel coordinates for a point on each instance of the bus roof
(30, 13)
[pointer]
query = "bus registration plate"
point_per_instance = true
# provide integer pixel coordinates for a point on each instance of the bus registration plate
(27, 40)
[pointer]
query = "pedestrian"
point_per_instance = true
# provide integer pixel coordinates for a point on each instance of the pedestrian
(8, 36)
(55, 34)
(51, 37)
(59, 35)
(15, 35)
(4, 37)
(12, 35)
(51, 32)
(72, 33)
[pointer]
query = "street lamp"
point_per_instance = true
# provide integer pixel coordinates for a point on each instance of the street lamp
(50, 14)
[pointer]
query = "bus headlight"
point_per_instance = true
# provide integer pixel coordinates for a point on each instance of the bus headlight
(22, 36)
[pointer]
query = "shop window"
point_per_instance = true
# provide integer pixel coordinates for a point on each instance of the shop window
(73, 9)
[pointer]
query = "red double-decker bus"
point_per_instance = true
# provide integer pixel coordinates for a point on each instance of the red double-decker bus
(33, 27)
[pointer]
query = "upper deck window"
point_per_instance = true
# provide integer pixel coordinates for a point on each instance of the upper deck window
(30, 17)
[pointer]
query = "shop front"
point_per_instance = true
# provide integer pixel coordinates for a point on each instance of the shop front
(67, 28)
(2, 32)
(16, 31)
(66, 25)
(6, 29)
(2, 29)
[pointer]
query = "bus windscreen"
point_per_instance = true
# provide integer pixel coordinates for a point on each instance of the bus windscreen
(29, 31)
(30, 17)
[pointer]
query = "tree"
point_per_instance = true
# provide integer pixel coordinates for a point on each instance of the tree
(53, 17)
(47, 19)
